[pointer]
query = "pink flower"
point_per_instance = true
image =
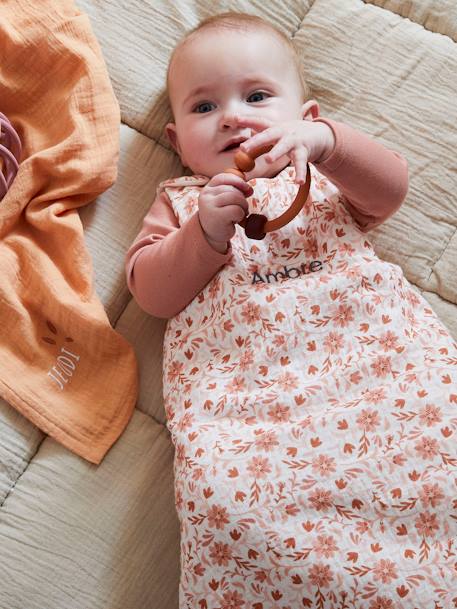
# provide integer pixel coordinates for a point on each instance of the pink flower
(232, 600)
(388, 341)
(217, 516)
(333, 342)
(385, 571)
(320, 575)
(220, 553)
(324, 465)
(431, 495)
(279, 413)
(259, 467)
(325, 546)
(368, 420)
(250, 313)
(430, 414)
(266, 441)
(426, 524)
(382, 366)
(343, 315)
(427, 447)
(320, 499)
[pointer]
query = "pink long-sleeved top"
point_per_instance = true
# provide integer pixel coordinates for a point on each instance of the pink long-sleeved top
(372, 178)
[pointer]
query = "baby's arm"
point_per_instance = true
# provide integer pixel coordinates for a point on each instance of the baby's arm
(168, 265)
(373, 179)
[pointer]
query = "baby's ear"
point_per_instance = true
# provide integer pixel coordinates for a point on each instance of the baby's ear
(310, 110)
(170, 131)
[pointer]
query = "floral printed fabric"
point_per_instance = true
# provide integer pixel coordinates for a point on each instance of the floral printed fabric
(311, 394)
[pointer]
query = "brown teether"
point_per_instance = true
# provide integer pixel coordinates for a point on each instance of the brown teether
(257, 226)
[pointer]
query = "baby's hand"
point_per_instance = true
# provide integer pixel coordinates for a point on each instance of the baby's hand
(302, 141)
(221, 204)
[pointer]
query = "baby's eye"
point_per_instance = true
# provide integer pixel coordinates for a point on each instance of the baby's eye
(204, 107)
(257, 96)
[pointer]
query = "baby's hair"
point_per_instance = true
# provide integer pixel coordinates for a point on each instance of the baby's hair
(236, 21)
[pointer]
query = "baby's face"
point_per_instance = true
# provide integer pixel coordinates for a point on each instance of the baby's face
(223, 74)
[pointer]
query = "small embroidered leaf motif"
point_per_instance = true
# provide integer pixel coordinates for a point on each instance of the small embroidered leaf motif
(48, 340)
(257, 606)
(315, 442)
(311, 346)
(276, 594)
(342, 424)
(402, 590)
(410, 553)
(239, 341)
(207, 492)
(203, 604)
(291, 451)
(235, 534)
(240, 496)
(190, 506)
(364, 327)
(402, 530)
(263, 370)
(252, 554)
(290, 542)
(396, 493)
(213, 584)
(228, 326)
(233, 473)
(422, 393)
(189, 354)
(353, 556)
(299, 399)
(348, 448)
(284, 361)
(446, 379)
(312, 370)
(386, 319)
(296, 579)
(414, 476)
(453, 398)
(375, 547)
(187, 404)
(192, 436)
(51, 327)
(446, 432)
(307, 602)
(357, 504)
(341, 483)
(68, 339)
(315, 310)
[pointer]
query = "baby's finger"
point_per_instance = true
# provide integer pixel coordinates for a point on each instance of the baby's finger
(254, 122)
(230, 179)
(284, 146)
(269, 136)
(227, 199)
(300, 160)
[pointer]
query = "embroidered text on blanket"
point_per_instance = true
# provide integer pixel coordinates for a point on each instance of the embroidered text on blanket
(305, 269)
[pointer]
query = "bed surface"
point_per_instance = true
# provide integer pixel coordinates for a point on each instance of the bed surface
(75, 535)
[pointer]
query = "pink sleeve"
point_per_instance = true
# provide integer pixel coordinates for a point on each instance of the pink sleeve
(373, 179)
(168, 265)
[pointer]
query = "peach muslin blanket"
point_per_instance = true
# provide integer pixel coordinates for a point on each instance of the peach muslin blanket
(62, 364)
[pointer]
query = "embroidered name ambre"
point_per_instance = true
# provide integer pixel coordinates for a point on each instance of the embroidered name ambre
(289, 273)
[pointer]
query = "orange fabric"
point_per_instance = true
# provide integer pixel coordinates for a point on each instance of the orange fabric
(62, 365)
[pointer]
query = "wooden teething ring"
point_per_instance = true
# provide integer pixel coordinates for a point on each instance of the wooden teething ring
(257, 226)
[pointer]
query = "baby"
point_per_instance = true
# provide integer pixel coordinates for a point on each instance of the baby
(287, 361)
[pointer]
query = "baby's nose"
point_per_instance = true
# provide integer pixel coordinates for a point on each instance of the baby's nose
(229, 119)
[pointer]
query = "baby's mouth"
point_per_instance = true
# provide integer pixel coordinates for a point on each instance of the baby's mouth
(234, 145)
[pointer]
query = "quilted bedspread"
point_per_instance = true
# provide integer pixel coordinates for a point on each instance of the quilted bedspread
(365, 508)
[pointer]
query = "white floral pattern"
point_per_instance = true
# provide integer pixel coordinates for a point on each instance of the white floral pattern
(313, 417)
